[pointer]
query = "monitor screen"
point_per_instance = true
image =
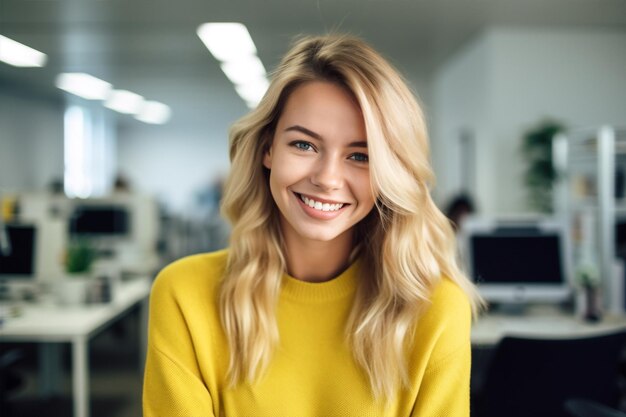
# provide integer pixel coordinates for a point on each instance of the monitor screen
(17, 251)
(518, 261)
(502, 258)
(620, 237)
(100, 221)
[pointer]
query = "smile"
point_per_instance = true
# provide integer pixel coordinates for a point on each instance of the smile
(320, 205)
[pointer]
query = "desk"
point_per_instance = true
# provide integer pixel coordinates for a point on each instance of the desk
(539, 322)
(77, 325)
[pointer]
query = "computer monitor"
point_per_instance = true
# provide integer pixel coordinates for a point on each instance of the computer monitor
(100, 221)
(518, 261)
(17, 252)
(620, 237)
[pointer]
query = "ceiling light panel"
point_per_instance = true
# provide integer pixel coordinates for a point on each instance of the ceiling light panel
(245, 70)
(123, 101)
(252, 93)
(227, 41)
(20, 55)
(83, 85)
(154, 112)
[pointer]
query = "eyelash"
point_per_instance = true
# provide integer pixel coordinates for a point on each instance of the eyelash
(306, 146)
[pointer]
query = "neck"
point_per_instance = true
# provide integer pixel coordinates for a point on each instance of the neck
(316, 261)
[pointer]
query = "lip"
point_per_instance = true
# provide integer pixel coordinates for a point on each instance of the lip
(318, 214)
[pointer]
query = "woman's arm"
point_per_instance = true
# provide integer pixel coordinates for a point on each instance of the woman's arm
(445, 389)
(173, 385)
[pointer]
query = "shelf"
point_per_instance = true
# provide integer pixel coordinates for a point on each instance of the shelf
(583, 196)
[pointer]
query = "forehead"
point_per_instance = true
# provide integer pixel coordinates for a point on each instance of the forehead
(325, 108)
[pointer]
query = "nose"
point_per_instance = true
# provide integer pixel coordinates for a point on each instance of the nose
(328, 174)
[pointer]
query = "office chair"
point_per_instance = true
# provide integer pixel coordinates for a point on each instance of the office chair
(535, 377)
(584, 408)
(10, 380)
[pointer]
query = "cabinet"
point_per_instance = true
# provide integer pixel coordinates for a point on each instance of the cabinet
(590, 195)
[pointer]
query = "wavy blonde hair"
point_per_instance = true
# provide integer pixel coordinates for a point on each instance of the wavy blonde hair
(408, 244)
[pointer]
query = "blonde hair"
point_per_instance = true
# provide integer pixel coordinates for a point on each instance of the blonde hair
(408, 243)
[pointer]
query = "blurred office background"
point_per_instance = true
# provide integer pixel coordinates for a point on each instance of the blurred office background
(136, 190)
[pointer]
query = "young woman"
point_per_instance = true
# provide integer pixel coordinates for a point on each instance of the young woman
(339, 295)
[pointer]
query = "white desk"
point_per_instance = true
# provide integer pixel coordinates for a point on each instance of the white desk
(539, 322)
(77, 325)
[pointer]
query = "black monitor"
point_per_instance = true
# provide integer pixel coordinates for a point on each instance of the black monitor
(620, 237)
(513, 262)
(100, 221)
(17, 251)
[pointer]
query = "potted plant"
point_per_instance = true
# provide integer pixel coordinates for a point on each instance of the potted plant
(540, 174)
(79, 258)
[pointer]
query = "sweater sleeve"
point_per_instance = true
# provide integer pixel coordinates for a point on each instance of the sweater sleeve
(173, 385)
(445, 388)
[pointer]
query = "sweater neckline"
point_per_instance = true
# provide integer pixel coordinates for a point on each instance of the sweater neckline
(341, 286)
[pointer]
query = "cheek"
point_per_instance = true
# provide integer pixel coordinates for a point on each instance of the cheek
(288, 172)
(364, 190)
(280, 180)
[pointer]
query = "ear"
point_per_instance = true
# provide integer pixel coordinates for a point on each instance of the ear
(267, 158)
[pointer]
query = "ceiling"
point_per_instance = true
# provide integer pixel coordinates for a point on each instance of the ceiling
(150, 46)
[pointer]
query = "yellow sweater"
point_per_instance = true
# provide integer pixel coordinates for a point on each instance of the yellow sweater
(312, 373)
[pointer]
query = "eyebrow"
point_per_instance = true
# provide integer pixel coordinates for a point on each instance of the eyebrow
(308, 132)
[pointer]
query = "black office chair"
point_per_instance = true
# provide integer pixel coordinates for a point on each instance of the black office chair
(10, 379)
(535, 377)
(584, 408)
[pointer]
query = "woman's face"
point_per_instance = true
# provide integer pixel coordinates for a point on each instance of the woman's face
(318, 161)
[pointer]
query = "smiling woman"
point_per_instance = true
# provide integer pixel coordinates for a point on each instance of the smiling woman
(340, 294)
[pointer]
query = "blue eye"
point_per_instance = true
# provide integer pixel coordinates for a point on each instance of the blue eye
(359, 157)
(302, 145)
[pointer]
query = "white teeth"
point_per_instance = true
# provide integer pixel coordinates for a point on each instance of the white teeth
(317, 205)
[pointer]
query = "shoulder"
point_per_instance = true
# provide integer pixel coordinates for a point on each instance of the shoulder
(448, 301)
(192, 273)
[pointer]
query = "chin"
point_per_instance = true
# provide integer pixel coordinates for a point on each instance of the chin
(319, 235)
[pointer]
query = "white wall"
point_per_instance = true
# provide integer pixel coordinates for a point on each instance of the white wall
(461, 93)
(188, 154)
(172, 163)
(31, 142)
(506, 81)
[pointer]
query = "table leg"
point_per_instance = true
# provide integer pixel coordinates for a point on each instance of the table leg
(49, 369)
(80, 377)
(144, 307)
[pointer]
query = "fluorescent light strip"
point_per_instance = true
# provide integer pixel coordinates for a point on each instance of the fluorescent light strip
(253, 92)
(226, 41)
(231, 44)
(244, 70)
(20, 55)
(124, 101)
(154, 112)
(83, 85)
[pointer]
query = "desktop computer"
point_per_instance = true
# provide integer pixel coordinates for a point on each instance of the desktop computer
(17, 258)
(100, 221)
(17, 251)
(518, 261)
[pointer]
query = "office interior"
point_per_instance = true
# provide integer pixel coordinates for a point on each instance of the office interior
(89, 180)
